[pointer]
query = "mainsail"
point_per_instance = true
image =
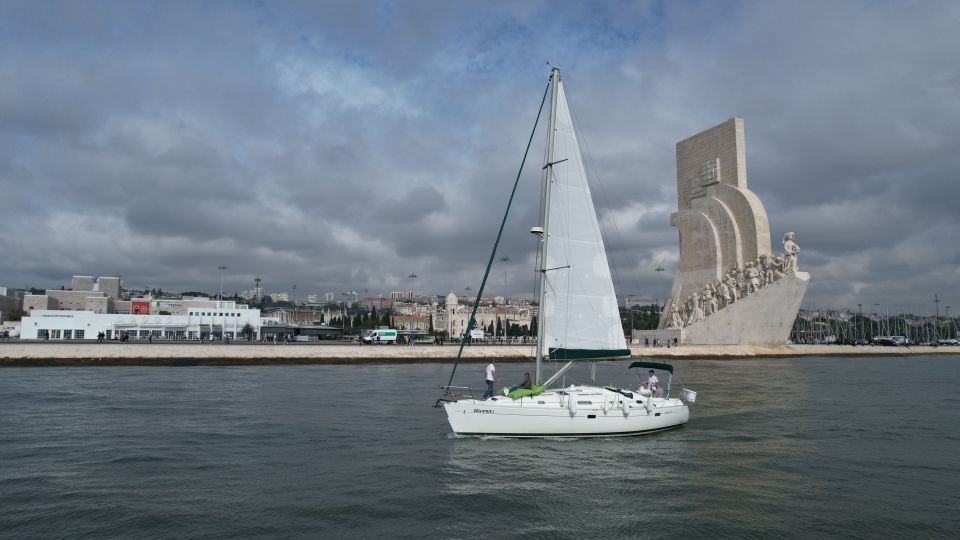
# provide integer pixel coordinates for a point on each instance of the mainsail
(579, 313)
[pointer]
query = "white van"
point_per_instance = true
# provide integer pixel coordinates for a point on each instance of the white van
(378, 336)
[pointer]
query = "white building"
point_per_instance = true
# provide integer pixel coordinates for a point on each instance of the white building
(223, 318)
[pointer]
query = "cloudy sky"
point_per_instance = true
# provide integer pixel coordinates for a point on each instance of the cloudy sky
(345, 145)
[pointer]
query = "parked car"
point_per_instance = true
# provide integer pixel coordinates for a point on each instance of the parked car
(948, 341)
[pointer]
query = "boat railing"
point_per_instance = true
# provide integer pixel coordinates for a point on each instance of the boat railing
(453, 393)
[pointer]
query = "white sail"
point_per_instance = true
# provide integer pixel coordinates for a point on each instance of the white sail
(579, 314)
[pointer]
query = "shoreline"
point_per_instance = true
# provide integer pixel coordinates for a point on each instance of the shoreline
(45, 354)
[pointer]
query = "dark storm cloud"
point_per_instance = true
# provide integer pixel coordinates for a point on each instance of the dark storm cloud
(344, 145)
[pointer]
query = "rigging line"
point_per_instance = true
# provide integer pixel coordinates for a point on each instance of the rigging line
(472, 321)
(603, 192)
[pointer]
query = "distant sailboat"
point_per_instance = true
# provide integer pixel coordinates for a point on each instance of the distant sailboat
(579, 321)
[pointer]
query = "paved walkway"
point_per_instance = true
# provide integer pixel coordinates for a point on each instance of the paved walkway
(15, 353)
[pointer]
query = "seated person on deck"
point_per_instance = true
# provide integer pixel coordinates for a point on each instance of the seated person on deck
(525, 385)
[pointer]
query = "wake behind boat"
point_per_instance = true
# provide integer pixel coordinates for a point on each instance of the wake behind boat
(579, 320)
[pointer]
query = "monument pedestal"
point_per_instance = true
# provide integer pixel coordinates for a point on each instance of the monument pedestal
(763, 318)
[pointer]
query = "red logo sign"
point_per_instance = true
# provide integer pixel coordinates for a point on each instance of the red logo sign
(140, 307)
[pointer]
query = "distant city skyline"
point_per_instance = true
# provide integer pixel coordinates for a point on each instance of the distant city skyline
(344, 146)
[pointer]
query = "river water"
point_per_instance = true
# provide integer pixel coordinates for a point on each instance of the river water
(795, 448)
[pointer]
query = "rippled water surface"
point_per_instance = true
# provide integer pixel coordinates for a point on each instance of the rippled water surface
(856, 448)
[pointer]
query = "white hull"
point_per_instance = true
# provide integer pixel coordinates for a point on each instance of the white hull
(598, 412)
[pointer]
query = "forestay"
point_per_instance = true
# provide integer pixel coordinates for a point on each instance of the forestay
(579, 313)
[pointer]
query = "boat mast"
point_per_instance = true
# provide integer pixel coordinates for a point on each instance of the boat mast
(548, 182)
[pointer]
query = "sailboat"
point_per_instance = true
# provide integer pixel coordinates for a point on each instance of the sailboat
(578, 322)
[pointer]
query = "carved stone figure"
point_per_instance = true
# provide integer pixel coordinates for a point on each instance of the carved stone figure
(732, 285)
(709, 302)
(675, 320)
(753, 278)
(792, 249)
(742, 282)
(725, 295)
(778, 267)
(766, 266)
(718, 293)
(696, 310)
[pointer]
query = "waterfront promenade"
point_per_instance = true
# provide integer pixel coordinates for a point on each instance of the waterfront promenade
(15, 353)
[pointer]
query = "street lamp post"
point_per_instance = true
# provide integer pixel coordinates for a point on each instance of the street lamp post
(506, 320)
(504, 260)
(936, 324)
(860, 316)
(221, 268)
(345, 315)
(659, 271)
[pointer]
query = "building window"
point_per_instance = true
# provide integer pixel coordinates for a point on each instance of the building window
(67, 334)
(55, 334)
(78, 334)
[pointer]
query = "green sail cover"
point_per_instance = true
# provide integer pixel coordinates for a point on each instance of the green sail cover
(525, 392)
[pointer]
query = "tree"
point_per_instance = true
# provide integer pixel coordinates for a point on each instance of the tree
(499, 331)
(15, 315)
(247, 331)
(533, 327)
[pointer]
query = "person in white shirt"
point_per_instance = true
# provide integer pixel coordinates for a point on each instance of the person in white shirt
(653, 383)
(491, 377)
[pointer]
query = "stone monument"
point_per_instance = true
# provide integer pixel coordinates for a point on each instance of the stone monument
(730, 288)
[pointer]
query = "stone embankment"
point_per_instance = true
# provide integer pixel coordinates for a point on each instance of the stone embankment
(181, 354)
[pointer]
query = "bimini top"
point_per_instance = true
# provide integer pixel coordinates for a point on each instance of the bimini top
(652, 365)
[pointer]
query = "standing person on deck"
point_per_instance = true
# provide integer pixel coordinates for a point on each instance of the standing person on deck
(492, 376)
(653, 383)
